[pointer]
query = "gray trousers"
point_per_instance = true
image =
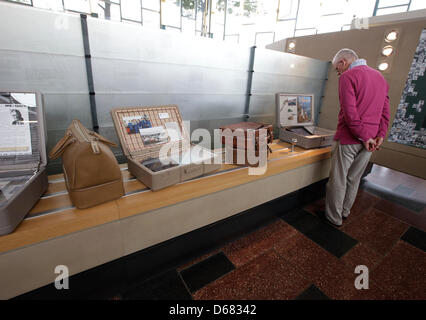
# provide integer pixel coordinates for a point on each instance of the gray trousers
(348, 163)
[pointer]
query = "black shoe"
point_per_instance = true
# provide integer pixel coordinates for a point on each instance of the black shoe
(321, 215)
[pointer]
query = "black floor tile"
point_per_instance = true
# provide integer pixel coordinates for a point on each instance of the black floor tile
(333, 240)
(166, 286)
(206, 271)
(415, 237)
(312, 293)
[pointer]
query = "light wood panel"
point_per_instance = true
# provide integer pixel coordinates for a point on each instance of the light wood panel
(49, 226)
(148, 201)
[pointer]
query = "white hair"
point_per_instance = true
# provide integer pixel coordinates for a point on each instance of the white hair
(346, 54)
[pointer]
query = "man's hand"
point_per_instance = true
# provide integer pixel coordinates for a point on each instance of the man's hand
(370, 144)
(379, 141)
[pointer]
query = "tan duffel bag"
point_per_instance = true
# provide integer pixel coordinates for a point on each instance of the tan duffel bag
(91, 171)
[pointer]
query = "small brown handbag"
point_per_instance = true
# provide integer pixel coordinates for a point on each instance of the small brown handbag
(91, 171)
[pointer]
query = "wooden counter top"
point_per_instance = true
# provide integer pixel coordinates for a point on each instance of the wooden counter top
(54, 215)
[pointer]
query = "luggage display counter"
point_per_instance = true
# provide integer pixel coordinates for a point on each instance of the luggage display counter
(56, 233)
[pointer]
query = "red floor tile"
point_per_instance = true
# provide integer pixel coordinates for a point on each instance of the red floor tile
(415, 219)
(254, 244)
(377, 230)
(267, 277)
(362, 255)
(340, 285)
(364, 200)
(306, 256)
(402, 273)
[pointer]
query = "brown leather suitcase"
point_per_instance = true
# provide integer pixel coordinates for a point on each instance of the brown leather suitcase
(244, 127)
(240, 142)
(91, 171)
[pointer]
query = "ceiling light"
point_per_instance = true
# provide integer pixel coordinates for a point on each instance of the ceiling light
(391, 36)
(383, 66)
(387, 51)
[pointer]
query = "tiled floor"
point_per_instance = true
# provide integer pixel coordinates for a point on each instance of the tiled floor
(297, 256)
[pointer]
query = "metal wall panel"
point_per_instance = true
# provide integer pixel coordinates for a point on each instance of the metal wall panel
(43, 51)
(36, 30)
(284, 72)
(128, 42)
(191, 107)
(136, 66)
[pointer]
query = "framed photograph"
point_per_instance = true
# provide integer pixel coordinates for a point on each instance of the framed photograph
(134, 124)
(294, 109)
(15, 130)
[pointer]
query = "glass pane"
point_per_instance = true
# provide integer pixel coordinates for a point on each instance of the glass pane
(382, 12)
(388, 3)
(188, 8)
(234, 17)
(305, 32)
(188, 26)
(22, 1)
(131, 9)
(218, 19)
(287, 9)
(232, 38)
(77, 5)
(170, 12)
(360, 8)
(151, 4)
(309, 14)
(54, 5)
(333, 6)
(150, 19)
(284, 29)
(417, 4)
(263, 39)
(331, 23)
(108, 11)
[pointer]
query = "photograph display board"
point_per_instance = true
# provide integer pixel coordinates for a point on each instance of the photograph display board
(409, 126)
(295, 109)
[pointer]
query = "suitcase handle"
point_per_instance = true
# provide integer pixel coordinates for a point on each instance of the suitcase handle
(62, 144)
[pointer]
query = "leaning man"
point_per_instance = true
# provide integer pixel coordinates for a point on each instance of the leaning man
(362, 125)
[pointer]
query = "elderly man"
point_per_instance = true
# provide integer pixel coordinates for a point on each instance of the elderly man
(362, 125)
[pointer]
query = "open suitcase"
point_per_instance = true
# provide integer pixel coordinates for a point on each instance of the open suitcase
(23, 178)
(158, 148)
(295, 121)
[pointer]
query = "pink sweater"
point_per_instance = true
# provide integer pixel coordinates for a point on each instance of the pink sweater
(364, 105)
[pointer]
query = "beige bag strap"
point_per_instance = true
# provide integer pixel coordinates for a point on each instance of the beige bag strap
(62, 144)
